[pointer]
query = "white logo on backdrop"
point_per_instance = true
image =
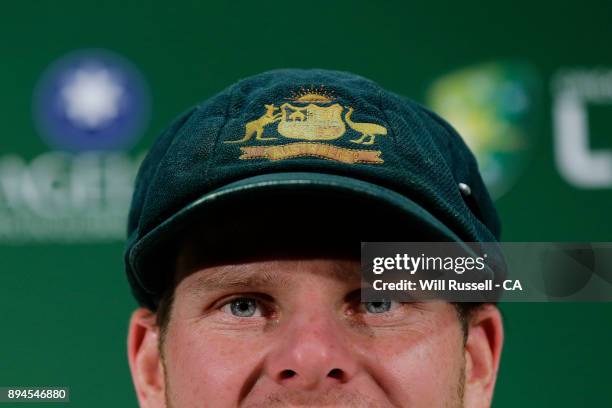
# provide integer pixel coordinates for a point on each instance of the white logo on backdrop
(91, 97)
(573, 91)
(60, 197)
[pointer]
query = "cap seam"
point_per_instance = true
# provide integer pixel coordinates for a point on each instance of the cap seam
(157, 167)
(382, 110)
(159, 163)
(219, 130)
(453, 133)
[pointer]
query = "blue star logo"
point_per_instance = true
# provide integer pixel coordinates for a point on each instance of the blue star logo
(91, 100)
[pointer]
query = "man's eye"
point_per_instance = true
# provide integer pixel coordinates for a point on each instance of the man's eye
(379, 307)
(242, 307)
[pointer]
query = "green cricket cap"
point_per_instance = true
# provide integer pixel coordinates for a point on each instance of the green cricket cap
(310, 158)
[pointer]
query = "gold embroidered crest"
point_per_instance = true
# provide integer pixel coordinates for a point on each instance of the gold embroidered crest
(311, 122)
(308, 121)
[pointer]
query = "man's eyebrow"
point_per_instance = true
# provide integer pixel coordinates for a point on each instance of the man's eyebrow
(229, 277)
(236, 277)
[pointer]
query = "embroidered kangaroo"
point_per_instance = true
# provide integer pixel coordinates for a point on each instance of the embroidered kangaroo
(370, 130)
(257, 126)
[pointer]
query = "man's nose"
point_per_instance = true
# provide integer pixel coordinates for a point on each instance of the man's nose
(311, 353)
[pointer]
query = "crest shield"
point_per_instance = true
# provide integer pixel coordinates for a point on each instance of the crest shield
(311, 122)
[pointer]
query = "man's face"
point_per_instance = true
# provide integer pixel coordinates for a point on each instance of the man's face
(294, 333)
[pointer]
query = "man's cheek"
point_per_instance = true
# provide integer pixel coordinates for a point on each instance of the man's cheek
(201, 366)
(423, 368)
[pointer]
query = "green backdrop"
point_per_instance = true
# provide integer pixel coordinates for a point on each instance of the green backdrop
(64, 306)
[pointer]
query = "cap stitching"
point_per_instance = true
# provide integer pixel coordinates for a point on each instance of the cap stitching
(226, 117)
(447, 127)
(186, 119)
(382, 110)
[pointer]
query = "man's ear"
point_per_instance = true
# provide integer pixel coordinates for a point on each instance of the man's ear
(482, 354)
(144, 359)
